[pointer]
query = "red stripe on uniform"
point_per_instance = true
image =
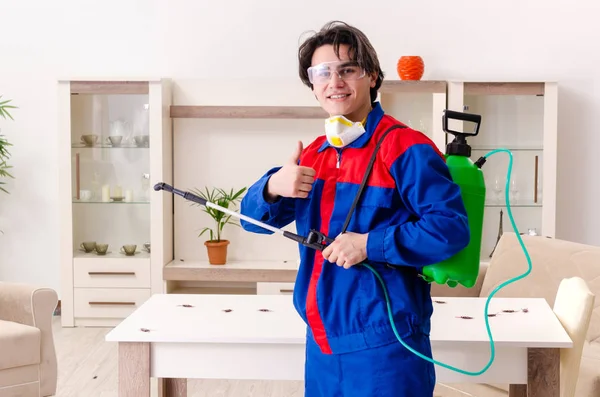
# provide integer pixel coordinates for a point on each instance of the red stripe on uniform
(312, 310)
(327, 199)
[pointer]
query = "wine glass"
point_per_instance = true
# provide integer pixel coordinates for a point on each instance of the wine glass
(514, 191)
(498, 187)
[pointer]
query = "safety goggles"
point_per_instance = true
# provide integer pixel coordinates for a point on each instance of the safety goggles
(346, 70)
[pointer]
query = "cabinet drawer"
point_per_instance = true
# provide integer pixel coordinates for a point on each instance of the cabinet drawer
(274, 288)
(112, 274)
(108, 303)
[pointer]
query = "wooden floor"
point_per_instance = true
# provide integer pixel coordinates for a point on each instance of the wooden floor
(87, 366)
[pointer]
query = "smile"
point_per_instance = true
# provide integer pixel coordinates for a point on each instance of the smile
(338, 96)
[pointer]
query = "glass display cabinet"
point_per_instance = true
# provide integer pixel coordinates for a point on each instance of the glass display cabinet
(115, 144)
(520, 117)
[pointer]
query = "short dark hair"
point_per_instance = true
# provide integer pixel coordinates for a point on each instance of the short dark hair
(336, 33)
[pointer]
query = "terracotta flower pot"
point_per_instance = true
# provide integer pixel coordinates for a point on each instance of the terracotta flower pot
(410, 67)
(217, 251)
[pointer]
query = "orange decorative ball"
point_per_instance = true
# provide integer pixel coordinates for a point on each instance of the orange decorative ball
(410, 67)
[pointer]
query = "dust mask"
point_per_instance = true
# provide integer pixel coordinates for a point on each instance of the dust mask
(341, 132)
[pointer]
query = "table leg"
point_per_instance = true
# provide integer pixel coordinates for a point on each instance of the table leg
(543, 372)
(517, 391)
(134, 369)
(169, 387)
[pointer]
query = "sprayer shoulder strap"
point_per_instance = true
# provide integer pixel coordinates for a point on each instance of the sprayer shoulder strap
(367, 173)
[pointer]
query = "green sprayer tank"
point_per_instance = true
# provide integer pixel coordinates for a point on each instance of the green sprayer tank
(463, 268)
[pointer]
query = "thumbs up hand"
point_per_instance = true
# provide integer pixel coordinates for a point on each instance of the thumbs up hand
(291, 180)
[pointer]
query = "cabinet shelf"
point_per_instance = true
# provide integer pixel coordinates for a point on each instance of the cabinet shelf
(511, 148)
(297, 112)
(233, 271)
(413, 86)
(75, 201)
(111, 254)
(109, 87)
(248, 112)
(213, 290)
(82, 146)
(525, 204)
(504, 88)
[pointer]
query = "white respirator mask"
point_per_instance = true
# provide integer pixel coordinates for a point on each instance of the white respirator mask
(341, 132)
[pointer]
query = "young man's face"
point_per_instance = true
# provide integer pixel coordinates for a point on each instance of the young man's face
(348, 96)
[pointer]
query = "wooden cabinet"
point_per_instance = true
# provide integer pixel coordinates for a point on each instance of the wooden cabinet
(102, 289)
(114, 144)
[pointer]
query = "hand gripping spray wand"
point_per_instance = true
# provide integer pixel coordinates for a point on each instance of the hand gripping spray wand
(463, 267)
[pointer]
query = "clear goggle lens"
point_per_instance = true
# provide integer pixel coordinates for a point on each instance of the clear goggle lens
(347, 71)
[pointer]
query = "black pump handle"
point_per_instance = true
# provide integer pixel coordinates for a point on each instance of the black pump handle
(452, 114)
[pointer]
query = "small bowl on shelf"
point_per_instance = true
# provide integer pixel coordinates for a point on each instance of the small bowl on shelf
(102, 249)
(89, 139)
(118, 198)
(142, 140)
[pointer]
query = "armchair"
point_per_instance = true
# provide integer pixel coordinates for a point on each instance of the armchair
(28, 365)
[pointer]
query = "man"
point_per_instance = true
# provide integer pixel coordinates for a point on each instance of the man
(410, 214)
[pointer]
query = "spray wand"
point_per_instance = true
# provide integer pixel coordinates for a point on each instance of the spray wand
(315, 239)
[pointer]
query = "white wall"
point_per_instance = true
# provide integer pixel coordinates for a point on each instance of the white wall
(239, 40)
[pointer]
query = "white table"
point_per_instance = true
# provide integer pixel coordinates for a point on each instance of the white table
(229, 337)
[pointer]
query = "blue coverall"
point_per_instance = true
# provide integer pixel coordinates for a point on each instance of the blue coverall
(414, 215)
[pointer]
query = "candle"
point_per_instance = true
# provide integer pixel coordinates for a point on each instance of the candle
(117, 192)
(105, 193)
(128, 195)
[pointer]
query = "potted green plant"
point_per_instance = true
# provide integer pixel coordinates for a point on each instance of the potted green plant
(215, 245)
(4, 144)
